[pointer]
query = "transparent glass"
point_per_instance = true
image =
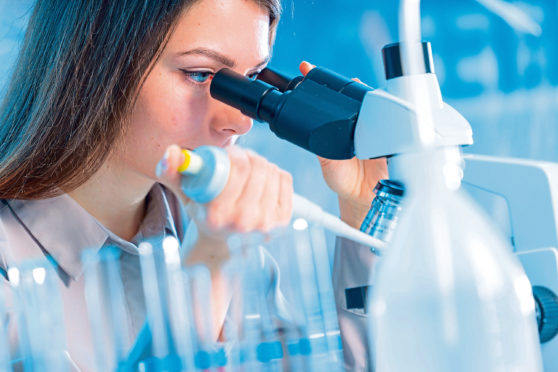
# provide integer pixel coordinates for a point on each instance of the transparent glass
(283, 308)
(449, 295)
(381, 220)
(38, 317)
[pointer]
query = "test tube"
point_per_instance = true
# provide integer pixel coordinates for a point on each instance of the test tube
(313, 344)
(181, 322)
(323, 281)
(106, 304)
(301, 252)
(39, 317)
(153, 268)
(211, 354)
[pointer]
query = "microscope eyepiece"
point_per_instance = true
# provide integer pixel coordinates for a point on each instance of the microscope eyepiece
(244, 94)
(317, 112)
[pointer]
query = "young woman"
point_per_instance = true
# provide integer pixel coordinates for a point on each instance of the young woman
(105, 93)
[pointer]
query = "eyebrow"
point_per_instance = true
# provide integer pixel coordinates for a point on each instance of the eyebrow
(221, 58)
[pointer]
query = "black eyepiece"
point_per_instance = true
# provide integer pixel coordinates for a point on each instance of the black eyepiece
(240, 92)
(317, 112)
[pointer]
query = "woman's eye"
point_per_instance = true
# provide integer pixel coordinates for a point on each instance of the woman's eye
(198, 77)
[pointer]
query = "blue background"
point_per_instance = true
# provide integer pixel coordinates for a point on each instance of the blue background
(498, 70)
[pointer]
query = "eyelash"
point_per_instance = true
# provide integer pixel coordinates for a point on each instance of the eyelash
(207, 76)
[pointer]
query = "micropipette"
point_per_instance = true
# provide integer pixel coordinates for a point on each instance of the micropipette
(206, 171)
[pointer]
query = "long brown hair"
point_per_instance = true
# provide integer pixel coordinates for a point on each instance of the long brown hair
(76, 78)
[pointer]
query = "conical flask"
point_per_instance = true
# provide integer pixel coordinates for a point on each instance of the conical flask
(449, 295)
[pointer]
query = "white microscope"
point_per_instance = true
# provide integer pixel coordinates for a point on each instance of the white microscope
(522, 196)
(336, 118)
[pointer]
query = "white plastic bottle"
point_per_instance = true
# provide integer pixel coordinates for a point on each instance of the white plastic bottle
(449, 295)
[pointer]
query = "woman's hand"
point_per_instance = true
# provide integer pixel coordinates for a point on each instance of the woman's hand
(353, 180)
(257, 197)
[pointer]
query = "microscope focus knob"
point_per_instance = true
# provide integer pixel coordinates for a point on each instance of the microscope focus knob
(546, 305)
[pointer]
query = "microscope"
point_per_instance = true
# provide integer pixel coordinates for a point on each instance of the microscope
(337, 118)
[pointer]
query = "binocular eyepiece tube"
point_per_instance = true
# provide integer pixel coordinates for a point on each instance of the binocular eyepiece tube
(317, 112)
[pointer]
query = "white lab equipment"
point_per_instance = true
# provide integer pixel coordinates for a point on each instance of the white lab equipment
(399, 122)
(448, 295)
(528, 216)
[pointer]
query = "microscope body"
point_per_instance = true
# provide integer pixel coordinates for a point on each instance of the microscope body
(522, 197)
(336, 118)
(388, 123)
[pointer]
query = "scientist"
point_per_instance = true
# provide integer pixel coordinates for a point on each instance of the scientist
(102, 91)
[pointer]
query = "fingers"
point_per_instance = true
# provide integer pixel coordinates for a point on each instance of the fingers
(257, 197)
(305, 67)
(221, 211)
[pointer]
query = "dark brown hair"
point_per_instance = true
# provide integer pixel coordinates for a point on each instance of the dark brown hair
(77, 76)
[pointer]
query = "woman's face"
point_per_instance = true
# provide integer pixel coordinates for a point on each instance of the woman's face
(174, 105)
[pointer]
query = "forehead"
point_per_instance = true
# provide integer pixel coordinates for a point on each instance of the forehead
(237, 28)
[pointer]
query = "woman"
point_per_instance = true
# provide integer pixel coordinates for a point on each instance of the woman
(102, 91)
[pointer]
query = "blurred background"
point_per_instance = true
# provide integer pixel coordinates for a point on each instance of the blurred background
(496, 61)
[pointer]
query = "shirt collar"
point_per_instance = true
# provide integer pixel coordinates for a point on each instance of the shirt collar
(65, 229)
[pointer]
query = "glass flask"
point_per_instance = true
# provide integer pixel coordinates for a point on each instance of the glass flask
(283, 311)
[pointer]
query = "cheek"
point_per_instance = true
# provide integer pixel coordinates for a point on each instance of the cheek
(172, 112)
(190, 110)
(164, 114)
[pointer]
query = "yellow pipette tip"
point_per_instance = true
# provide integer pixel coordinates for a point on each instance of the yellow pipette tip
(186, 163)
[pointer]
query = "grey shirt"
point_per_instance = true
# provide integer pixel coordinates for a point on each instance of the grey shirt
(59, 229)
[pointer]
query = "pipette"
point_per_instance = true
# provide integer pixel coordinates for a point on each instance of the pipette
(206, 171)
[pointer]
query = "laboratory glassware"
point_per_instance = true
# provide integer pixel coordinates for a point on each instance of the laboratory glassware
(296, 297)
(106, 306)
(39, 318)
(450, 295)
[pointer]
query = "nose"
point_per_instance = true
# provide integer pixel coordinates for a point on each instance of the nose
(229, 121)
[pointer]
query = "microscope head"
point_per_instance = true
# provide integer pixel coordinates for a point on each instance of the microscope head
(338, 118)
(317, 112)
